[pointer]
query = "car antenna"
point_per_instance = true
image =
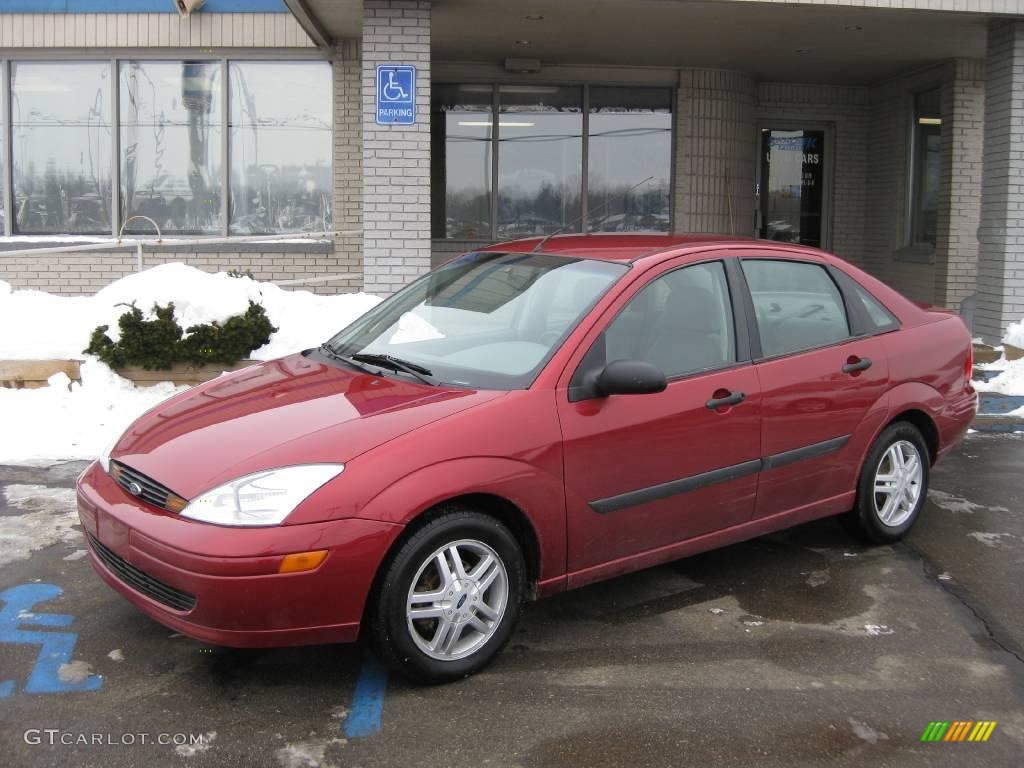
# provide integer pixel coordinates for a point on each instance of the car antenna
(577, 220)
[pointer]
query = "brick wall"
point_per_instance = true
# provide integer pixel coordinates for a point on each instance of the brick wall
(347, 160)
(87, 272)
(963, 107)
(945, 274)
(846, 110)
(1001, 232)
(396, 159)
(715, 152)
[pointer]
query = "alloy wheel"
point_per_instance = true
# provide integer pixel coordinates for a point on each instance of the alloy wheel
(457, 599)
(898, 483)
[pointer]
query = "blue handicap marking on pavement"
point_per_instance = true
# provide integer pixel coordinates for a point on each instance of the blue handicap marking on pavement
(55, 648)
(367, 701)
(396, 94)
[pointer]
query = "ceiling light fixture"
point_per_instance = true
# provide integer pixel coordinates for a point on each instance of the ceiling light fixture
(534, 17)
(802, 51)
(854, 28)
(522, 43)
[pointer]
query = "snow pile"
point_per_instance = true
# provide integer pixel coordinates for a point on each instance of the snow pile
(1009, 382)
(42, 326)
(1014, 334)
(67, 420)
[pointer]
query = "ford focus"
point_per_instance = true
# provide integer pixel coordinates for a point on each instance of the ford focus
(529, 418)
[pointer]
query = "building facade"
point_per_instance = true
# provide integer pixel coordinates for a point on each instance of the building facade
(888, 131)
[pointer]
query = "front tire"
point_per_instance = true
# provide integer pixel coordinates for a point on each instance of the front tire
(893, 485)
(450, 598)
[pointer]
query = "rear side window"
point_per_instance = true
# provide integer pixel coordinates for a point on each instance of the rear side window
(880, 317)
(797, 306)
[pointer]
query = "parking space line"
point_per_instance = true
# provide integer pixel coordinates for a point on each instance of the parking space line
(368, 700)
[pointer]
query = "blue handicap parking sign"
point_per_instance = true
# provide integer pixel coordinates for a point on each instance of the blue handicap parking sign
(396, 94)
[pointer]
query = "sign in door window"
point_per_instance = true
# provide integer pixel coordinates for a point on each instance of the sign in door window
(792, 188)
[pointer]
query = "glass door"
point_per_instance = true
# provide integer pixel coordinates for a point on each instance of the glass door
(793, 189)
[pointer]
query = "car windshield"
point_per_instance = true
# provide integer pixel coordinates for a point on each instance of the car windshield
(486, 320)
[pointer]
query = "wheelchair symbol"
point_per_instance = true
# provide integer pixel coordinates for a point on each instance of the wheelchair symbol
(392, 91)
(55, 648)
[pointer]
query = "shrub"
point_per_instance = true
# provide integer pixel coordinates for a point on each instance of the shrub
(159, 343)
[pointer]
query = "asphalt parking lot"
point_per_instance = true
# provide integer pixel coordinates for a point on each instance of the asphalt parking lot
(802, 648)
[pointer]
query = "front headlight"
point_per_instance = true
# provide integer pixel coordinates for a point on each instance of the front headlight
(263, 498)
(104, 457)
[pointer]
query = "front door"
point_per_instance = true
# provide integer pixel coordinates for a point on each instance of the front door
(793, 185)
(645, 471)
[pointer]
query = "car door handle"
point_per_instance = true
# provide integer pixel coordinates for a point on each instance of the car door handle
(855, 364)
(730, 398)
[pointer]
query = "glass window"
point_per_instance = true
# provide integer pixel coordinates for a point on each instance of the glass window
(925, 190)
(486, 320)
(461, 133)
(61, 134)
(171, 145)
(797, 305)
(540, 159)
(280, 134)
(681, 322)
(629, 140)
(880, 317)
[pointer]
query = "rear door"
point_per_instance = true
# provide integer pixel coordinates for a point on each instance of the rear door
(822, 377)
(645, 471)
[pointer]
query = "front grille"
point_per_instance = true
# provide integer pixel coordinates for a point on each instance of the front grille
(142, 581)
(152, 492)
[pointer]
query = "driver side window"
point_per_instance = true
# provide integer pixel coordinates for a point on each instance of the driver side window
(681, 322)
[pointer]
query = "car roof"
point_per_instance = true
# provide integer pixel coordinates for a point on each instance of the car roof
(617, 247)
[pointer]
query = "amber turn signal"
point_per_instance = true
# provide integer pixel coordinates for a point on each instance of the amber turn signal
(302, 561)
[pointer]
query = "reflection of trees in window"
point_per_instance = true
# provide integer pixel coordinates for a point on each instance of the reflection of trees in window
(280, 131)
(171, 168)
(170, 145)
(61, 134)
(541, 168)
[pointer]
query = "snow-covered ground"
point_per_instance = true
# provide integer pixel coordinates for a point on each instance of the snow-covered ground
(66, 420)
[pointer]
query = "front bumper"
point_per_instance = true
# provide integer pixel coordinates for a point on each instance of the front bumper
(220, 584)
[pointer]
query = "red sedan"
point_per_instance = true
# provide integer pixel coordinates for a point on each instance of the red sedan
(529, 418)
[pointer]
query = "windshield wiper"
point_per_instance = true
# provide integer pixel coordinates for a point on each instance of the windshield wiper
(398, 364)
(331, 352)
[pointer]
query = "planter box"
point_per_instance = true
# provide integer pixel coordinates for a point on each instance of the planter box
(1012, 352)
(985, 354)
(29, 374)
(180, 373)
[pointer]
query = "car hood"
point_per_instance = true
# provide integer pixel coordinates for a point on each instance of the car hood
(294, 410)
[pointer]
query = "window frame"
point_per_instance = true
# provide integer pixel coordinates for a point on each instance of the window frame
(114, 58)
(576, 389)
(857, 322)
(496, 85)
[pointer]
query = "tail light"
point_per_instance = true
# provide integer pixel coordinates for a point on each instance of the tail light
(969, 365)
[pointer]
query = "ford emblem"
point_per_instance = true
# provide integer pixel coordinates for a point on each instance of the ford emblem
(133, 488)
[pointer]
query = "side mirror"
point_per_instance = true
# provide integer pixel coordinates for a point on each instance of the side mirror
(628, 377)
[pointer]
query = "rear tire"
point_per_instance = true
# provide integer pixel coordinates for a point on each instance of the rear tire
(450, 598)
(892, 487)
